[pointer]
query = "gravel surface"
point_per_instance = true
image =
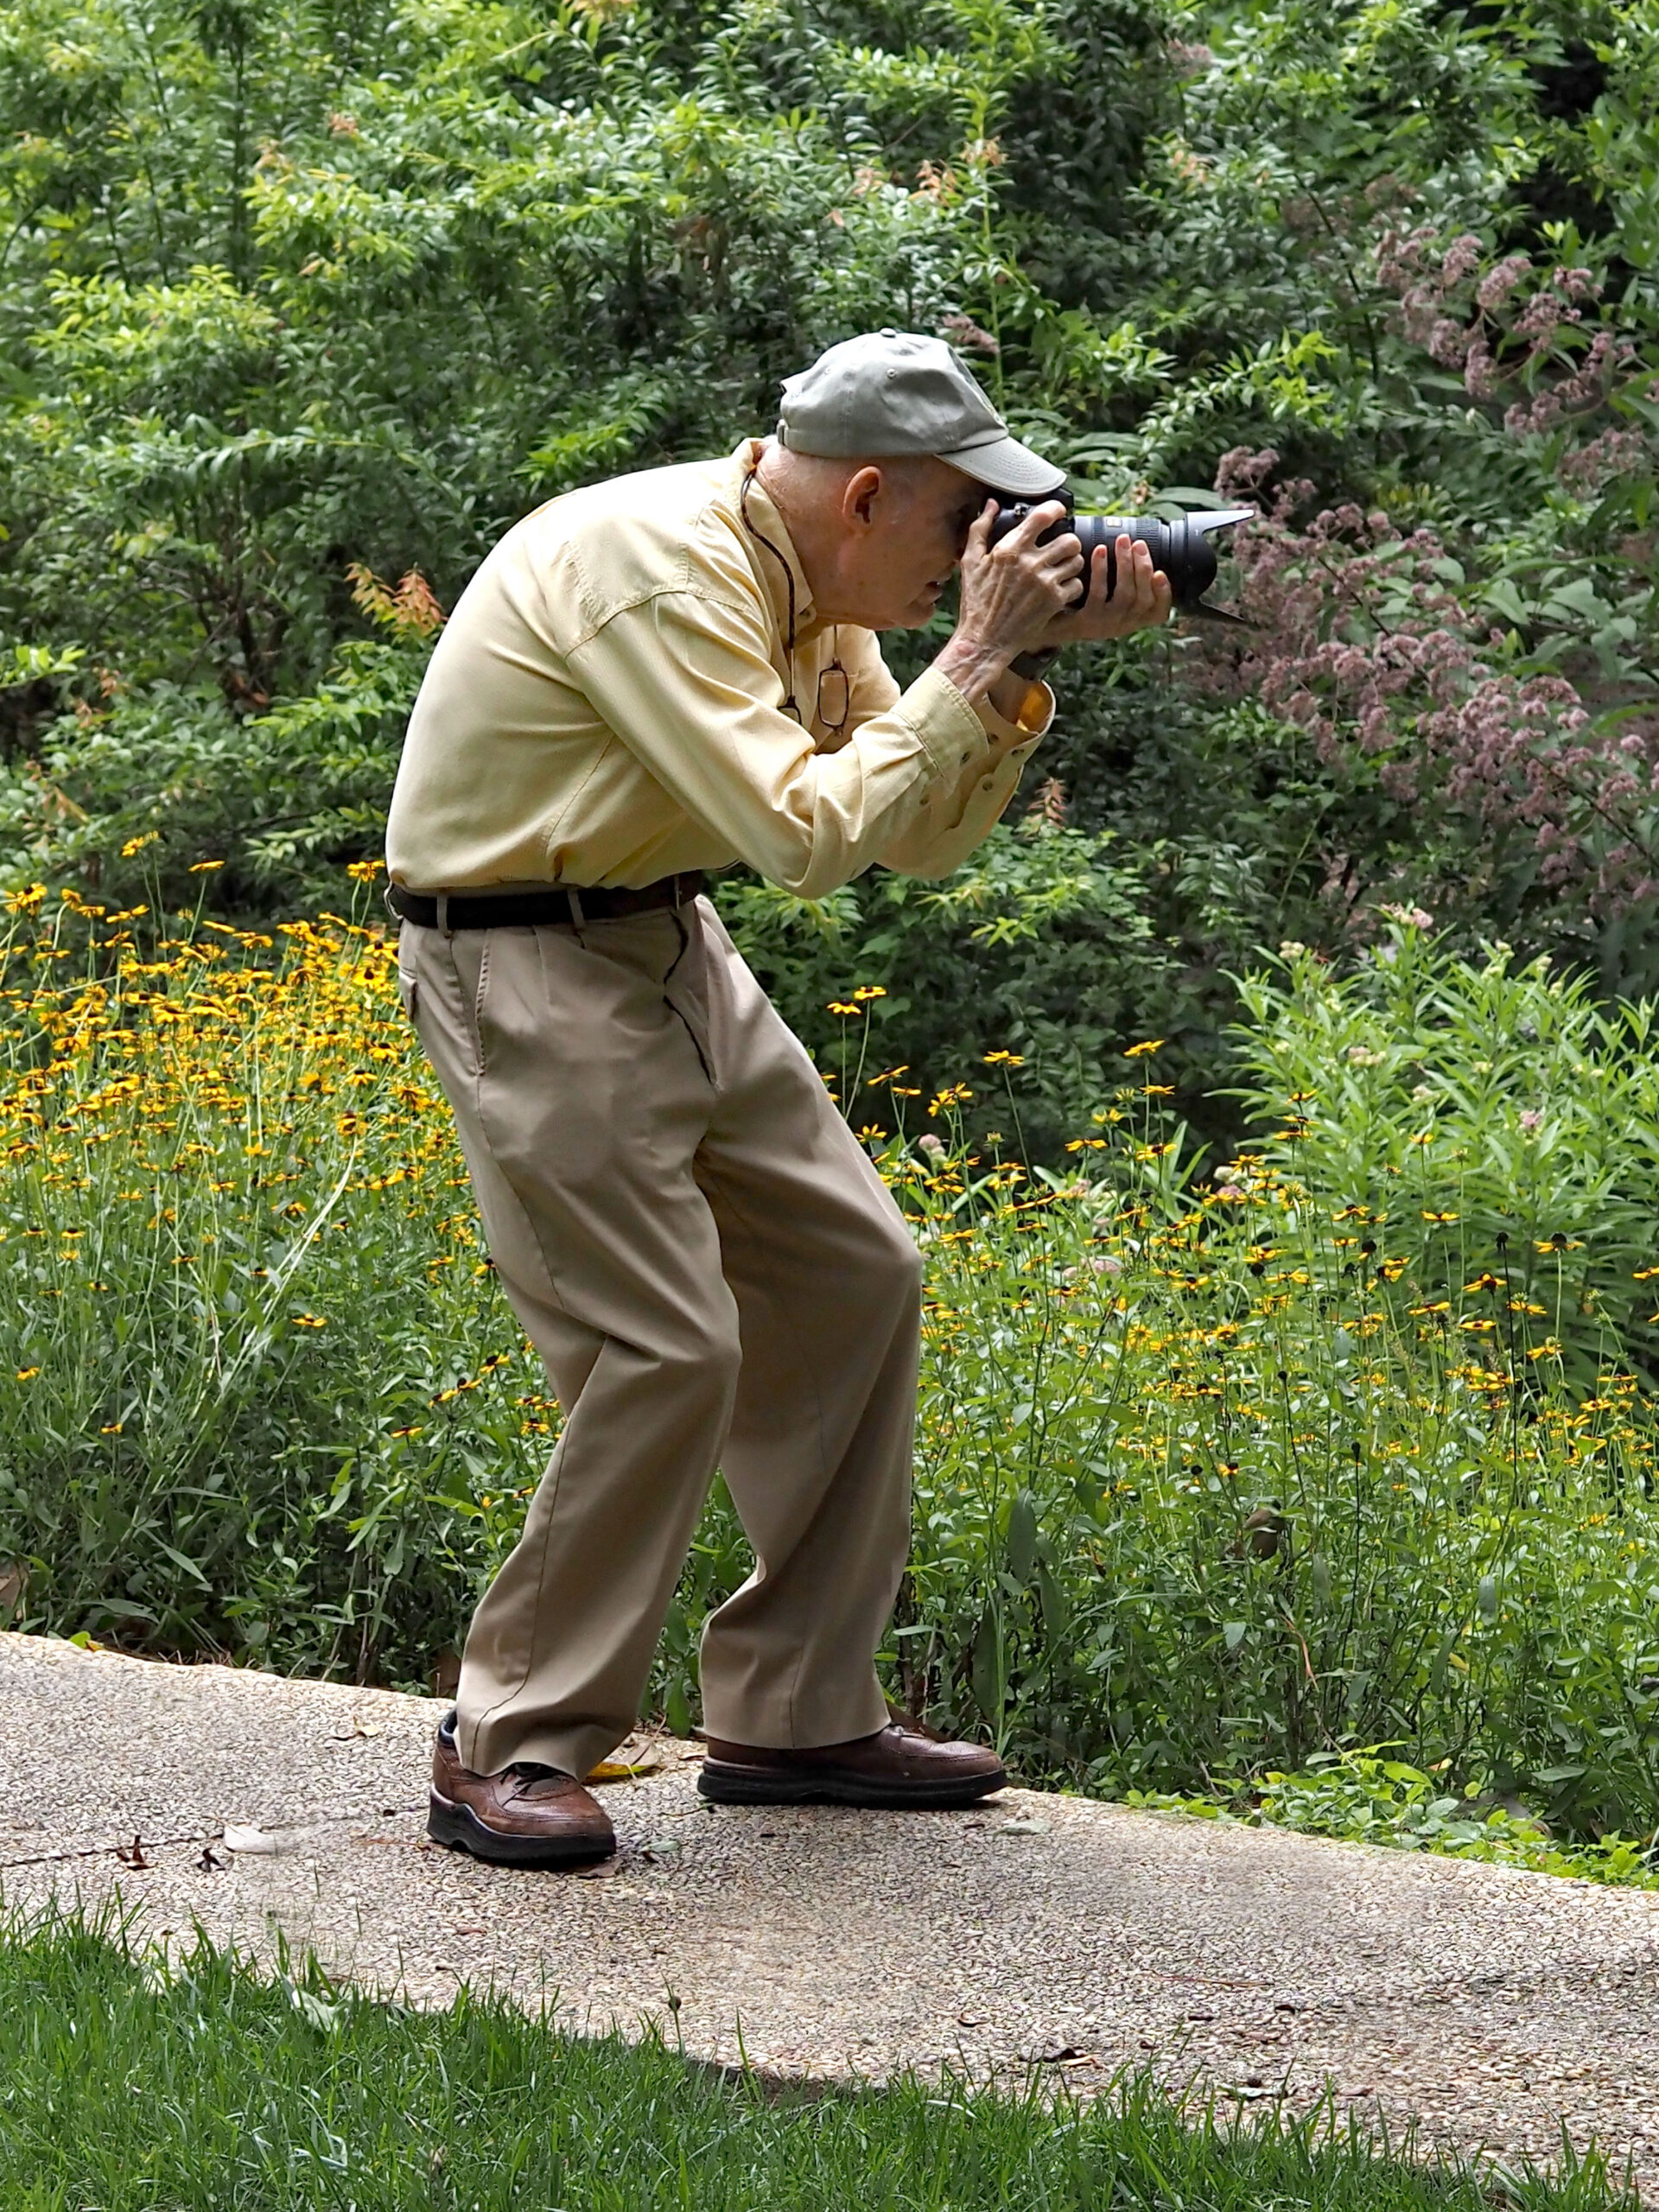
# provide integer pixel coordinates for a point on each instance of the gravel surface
(1493, 2007)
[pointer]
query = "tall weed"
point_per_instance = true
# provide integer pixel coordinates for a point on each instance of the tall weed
(1496, 1114)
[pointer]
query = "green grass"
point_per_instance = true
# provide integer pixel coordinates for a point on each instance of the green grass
(206, 2087)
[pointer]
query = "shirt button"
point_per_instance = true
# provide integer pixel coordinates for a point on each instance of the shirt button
(990, 783)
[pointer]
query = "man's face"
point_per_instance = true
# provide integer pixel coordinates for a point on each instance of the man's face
(907, 524)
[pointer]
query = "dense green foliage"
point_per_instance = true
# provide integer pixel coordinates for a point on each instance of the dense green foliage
(289, 290)
(298, 2095)
(1365, 1796)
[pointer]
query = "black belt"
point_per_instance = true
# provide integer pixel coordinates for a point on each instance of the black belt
(518, 910)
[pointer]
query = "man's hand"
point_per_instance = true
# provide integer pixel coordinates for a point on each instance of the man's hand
(1140, 599)
(1011, 593)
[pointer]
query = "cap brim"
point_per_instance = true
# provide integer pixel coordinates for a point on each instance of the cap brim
(1008, 466)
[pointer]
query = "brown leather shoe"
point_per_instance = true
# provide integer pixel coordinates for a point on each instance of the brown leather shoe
(527, 1815)
(899, 1766)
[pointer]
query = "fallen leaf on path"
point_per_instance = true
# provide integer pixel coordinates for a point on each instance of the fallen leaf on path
(622, 1770)
(131, 1854)
(601, 1870)
(247, 1840)
(1023, 1827)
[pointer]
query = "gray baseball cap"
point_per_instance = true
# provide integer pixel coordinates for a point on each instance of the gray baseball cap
(891, 391)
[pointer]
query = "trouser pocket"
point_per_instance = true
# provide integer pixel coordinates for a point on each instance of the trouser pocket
(408, 987)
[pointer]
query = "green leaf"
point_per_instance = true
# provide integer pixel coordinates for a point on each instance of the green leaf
(1022, 1536)
(985, 1672)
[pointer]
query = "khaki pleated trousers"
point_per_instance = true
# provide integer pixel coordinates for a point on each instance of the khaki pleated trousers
(715, 1276)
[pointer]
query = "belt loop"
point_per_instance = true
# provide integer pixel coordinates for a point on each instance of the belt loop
(443, 913)
(573, 900)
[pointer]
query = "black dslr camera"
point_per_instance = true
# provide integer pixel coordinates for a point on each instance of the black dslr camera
(1181, 548)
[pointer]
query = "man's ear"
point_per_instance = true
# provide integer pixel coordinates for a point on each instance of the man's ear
(859, 496)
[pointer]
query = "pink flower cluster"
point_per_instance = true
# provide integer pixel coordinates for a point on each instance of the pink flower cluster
(1511, 325)
(1615, 453)
(1579, 393)
(1364, 647)
(1189, 59)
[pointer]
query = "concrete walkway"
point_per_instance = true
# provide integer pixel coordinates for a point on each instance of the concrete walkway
(1495, 2006)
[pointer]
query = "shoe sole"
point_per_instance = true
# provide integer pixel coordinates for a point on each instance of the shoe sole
(458, 1828)
(754, 1785)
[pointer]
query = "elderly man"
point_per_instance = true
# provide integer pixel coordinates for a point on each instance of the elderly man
(645, 680)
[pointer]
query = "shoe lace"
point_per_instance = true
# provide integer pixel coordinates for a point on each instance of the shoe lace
(907, 1724)
(528, 1778)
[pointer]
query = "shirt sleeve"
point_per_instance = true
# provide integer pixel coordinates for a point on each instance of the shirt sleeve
(958, 810)
(687, 682)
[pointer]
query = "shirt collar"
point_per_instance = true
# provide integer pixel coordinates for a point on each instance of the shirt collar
(766, 519)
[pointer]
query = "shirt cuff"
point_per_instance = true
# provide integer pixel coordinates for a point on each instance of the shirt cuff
(1036, 717)
(948, 730)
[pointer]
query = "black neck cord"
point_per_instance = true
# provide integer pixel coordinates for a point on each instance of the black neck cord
(791, 705)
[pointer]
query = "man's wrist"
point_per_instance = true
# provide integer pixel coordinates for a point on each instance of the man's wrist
(1020, 703)
(972, 667)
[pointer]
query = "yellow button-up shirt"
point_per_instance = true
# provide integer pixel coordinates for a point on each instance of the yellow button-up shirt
(605, 706)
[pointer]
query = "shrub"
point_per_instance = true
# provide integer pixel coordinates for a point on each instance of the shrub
(1493, 1114)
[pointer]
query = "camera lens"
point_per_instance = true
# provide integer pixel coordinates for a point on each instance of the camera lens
(1182, 548)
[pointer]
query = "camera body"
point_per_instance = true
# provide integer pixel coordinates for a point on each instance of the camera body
(1182, 548)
